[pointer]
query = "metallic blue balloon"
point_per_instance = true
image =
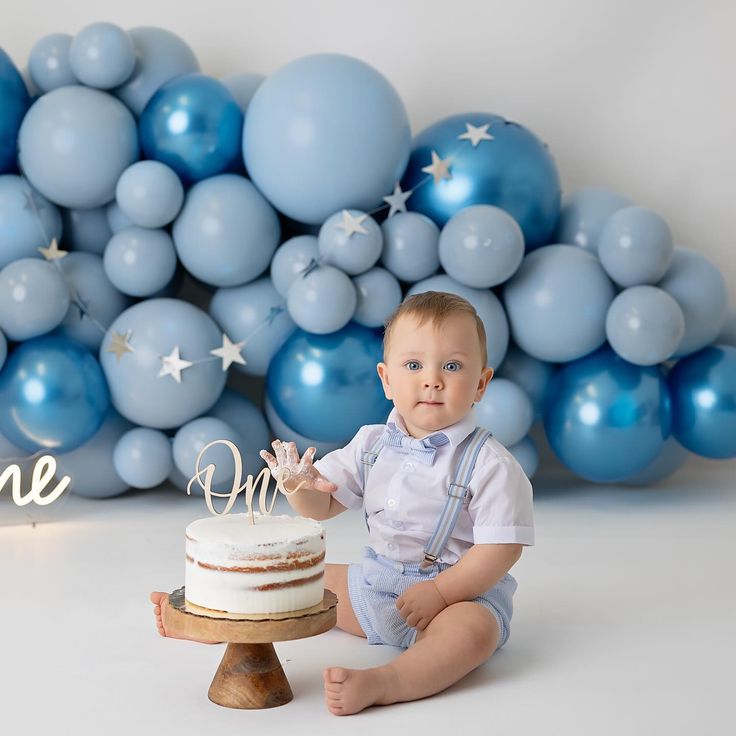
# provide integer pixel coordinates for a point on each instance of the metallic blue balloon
(326, 386)
(192, 124)
(53, 395)
(514, 171)
(607, 419)
(703, 389)
(14, 102)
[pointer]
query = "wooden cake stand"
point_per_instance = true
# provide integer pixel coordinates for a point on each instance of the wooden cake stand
(250, 674)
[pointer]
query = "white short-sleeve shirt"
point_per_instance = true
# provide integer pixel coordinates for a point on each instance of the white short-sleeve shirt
(404, 497)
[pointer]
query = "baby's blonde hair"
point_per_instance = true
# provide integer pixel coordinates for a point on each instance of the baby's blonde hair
(435, 306)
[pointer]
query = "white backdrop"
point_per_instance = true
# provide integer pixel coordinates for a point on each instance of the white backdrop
(634, 96)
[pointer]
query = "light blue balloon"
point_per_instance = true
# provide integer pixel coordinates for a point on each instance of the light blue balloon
(74, 143)
(91, 466)
(703, 390)
(86, 230)
(150, 193)
(160, 56)
(583, 215)
(282, 431)
(243, 86)
(3, 349)
(670, 459)
(33, 298)
(533, 375)
(354, 253)
(254, 313)
(379, 294)
(156, 327)
(481, 246)
(140, 261)
(557, 303)
(322, 301)
(48, 62)
(323, 133)
(506, 411)
(607, 419)
(699, 288)
(143, 457)
(226, 233)
(526, 454)
(644, 325)
(727, 335)
(102, 301)
(117, 219)
(410, 246)
(10, 453)
(326, 386)
(102, 55)
(22, 231)
(487, 306)
(635, 246)
(291, 260)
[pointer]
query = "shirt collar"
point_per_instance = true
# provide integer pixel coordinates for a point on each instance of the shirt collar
(456, 433)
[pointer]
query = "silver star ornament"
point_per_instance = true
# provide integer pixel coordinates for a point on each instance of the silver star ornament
(351, 223)
(439, 168)
(397, 200)
(476, 135)
(172, 365)
(229, 352)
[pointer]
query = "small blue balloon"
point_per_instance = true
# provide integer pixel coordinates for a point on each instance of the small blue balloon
(193, 125)
(526, 454)
(14, 103)
(102, 55)
(281, 430)
(605, 418)
(512, 170)
(410, 246)
(322, 301)
(351, 252)
(703, 389)
(143, 457)
(150, 193)
(379, 294)
(52, 395)
(86, 230)
(116, 219)
(533, 375)
(326, 386)
(48, 62)
(506, 411)
(291, 260)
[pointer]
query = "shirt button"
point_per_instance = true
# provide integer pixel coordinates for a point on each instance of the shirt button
(391, 503)
(391, 545)
(399, 524)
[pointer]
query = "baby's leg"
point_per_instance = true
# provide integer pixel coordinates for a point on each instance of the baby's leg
(336, 580)
(159, 600)
(456, 641)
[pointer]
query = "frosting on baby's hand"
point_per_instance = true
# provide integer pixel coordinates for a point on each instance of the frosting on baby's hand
(287, 464)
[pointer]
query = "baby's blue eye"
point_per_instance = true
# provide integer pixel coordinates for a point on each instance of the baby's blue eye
(453, 366)
(413, 365)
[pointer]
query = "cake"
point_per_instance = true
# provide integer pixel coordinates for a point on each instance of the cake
(271, 566)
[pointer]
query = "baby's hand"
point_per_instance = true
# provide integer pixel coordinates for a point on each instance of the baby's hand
(420, 603)
(299, 471)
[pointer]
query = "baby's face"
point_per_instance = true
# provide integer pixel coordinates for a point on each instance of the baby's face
(434, 374)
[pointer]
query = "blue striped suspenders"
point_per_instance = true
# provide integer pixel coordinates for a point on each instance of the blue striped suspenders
(456, 493)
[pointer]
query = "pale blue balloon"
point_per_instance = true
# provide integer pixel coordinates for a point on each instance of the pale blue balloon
(583, 215)
(143, 457)
(10, 453)
(156, 327)
(533, 375)
(699, 288)
(487, 306)
(86, 230)
(74, 143)
(254, 313)
(243, 86)
(3, 349)
(91, 466)
(291, 260)
(102, 301)
(635, 246)
(410, 246)
(117, 219)
(481, 246)
(226, 233)
(379, 294)
(670, 459)
(727, 335)
(48, 62)
(150, 193)
(323, 133)
(102, 55)
(505, 410)
(160, 56)
(557, 303)
(33, 298)
(140, 261)
(280, 430)
(354, 253)
(644, 325)
(22, 231)
(322, 301)
(526, 454)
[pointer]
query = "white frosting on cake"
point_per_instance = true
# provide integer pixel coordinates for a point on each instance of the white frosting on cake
(274, 565)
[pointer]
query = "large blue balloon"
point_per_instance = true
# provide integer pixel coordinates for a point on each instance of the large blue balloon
(513, 171)
(607, 419)
(53, 395)
(14, 102)
(703, 389)
(326, 386)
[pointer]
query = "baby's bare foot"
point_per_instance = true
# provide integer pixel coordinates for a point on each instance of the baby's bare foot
(159, 600)
(350, 691)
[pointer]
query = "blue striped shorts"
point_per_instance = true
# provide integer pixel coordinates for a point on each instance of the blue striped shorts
(375, 583)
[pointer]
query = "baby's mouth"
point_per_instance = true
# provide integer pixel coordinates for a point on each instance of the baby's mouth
(431, 403)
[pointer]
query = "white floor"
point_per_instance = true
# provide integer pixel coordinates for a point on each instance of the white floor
(625, 623)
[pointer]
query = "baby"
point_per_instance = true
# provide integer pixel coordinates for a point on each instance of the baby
(448, 510)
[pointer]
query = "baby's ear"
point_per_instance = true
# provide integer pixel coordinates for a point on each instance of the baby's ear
(383, 375)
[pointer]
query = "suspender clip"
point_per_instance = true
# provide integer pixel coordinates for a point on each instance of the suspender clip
(463, 493)
(428, 562)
